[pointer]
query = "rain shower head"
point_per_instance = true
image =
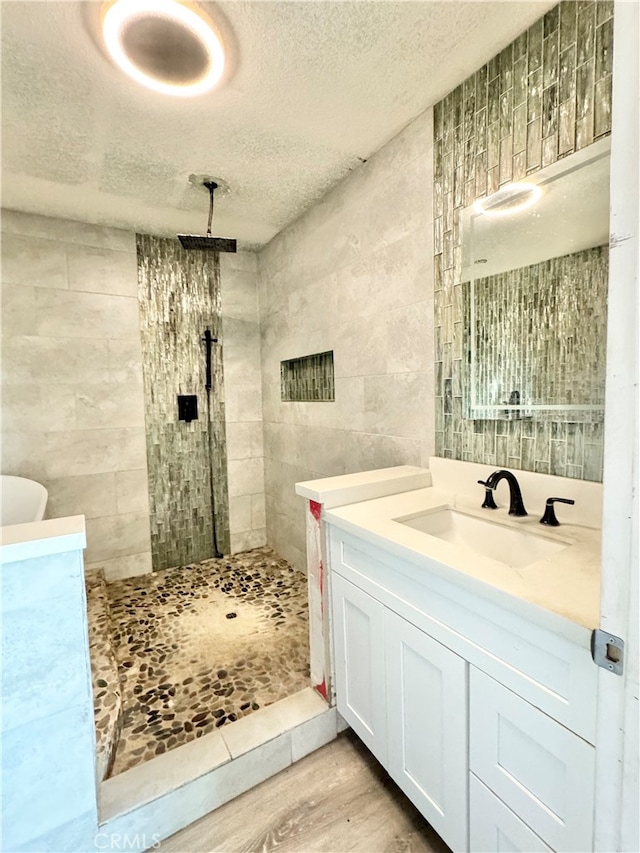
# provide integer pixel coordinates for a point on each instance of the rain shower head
(208, 243)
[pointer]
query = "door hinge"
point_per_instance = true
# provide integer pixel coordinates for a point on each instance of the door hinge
(607, 651)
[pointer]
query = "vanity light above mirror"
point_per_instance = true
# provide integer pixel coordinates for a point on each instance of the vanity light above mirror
(567, 210)
(508, 200)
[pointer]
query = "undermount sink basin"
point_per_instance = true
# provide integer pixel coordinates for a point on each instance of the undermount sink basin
(516, 548)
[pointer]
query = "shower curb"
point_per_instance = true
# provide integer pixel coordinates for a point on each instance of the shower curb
(105, 677)
(197, 778)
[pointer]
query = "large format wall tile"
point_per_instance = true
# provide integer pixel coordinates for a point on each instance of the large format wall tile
(91, 495)
(242, 360)
(72, 401)
(36, 263)
(18, 307)
(241, 300)
(93, 451)
(244, 403)
(245, 441)
(38, 408)
(544, 96)
(246, 476)
(119, 568)
(132, 494)
(125, 361)
(240, 513)
(72, 365)
(352, 275)
(384, 404)
(248, 540)
(117, 536)
(61, 313)
(243, 393)
(52, 360)
(102, 271)
(67, 231)
(109, 406)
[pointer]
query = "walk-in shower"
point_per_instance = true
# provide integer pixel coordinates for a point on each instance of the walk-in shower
(205, 639)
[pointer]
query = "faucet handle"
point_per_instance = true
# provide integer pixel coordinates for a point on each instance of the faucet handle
(549, 516)
(489, 502)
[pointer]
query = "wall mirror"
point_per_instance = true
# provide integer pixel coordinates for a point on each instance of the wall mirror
(534, 273)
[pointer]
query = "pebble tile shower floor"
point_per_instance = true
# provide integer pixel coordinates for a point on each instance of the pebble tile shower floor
(201, 646)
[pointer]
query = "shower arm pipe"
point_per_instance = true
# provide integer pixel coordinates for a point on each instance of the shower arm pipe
(211, 186)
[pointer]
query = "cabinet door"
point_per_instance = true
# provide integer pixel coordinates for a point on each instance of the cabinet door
(427, 723)
(541, 770)
(493, 828)
(358, 631)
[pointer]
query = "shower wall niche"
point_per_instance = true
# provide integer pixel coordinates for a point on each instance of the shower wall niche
(179, 294)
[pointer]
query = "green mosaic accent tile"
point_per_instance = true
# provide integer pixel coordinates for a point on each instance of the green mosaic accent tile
(179, 297)
(543, 97)
(308, 379)
(563, 363)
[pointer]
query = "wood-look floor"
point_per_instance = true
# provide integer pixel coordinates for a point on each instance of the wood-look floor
(336, 800)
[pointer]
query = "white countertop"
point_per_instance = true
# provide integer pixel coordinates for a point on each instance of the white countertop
(567, 583)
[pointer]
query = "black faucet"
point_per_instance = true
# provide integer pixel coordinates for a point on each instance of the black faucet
(516, 505)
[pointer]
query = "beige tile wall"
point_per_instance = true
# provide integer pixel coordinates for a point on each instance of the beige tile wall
(243, 400)
(72, 398)
(72, 404)
(353, 275)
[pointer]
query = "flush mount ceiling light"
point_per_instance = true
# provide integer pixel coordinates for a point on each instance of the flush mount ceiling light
(512, 198)
(164, 45)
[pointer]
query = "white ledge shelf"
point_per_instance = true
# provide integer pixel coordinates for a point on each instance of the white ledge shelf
(364, 486)
(41, 538)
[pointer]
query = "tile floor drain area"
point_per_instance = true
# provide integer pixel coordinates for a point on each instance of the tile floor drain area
(202, 646)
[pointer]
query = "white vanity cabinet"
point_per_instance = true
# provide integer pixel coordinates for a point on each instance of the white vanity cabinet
(494, 827)
(405, 695)
(427, 726)
(485, 727)
(358, 624)
(537, 767)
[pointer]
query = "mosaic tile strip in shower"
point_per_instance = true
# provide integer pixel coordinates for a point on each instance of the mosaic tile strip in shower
(564, 300)
(308, 379)
(179, 295)
(545, 95)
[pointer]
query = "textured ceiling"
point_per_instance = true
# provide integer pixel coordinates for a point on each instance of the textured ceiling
(315, 89)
